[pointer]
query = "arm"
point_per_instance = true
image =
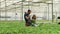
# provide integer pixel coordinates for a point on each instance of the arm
(26, 17)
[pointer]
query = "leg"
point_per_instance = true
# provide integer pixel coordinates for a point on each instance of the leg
(27, 24)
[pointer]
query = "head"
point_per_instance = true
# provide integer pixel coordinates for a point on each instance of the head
(29, 11)
(34, 17)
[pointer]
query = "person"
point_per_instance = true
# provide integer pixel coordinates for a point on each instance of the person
(33, 21)
(27, 18)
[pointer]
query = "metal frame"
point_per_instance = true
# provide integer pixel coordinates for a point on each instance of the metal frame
(26, 5)
(0, 9)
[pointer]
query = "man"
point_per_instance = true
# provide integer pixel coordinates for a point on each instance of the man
(27, 18)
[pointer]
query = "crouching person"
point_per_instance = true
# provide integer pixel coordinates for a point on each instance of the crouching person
(33, 21)
(27, 18)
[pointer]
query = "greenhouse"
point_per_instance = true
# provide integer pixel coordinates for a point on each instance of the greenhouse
(46, 11)
(15, 9)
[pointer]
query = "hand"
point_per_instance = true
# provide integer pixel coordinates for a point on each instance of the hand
(27, 17)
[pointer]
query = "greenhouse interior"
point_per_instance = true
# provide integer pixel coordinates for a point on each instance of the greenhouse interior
(45, 10)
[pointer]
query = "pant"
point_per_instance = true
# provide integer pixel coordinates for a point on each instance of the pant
(27, 23)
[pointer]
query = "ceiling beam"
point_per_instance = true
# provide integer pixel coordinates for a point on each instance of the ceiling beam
(2, 1)
(15, 3)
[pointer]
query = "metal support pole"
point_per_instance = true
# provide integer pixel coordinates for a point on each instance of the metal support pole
(0, 10)
(5, 10)
(52, 11)
(15, 11)
(28, 5)
(22, 9)
(56, 18)
(32, 4)
(48, 11)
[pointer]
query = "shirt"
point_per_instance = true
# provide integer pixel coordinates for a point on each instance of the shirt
(26, 14)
